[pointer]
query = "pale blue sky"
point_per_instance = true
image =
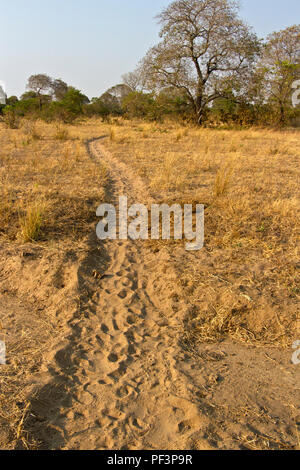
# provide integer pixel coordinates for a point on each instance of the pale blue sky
(91, 43)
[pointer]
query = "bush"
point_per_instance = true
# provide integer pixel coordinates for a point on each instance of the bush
(140, 105)
(10, 117)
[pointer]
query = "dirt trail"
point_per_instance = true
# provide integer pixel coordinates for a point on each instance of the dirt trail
(123, 380)
(126, 387)
(132, 385)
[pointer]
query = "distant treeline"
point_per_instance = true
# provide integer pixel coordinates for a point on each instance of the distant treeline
(209, 68)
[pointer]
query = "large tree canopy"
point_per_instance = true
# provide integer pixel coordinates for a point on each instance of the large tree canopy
(113, 98)
(205, 50)
(40, 84)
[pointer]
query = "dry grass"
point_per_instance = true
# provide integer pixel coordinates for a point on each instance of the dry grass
(222, 181)
(31, 223)
(29, 128)
(26, 344)
(51, 172)
(61, 133)
(112, 134)
(49, 192)
(245, 283)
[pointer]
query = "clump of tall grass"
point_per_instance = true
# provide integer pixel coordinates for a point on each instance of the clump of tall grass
(61, 133)
(31, 223)
(222, 180)
(112, 134)
(30, 129)
(180, 134)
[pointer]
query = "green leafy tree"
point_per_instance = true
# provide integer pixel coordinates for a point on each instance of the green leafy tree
(277, 70)
(97, 107)
(72, 105)
(12, 100)
(10, 117)
(174, 102)
(140, 105)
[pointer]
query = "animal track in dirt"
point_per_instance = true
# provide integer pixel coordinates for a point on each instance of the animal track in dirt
(119, 399)
(134, 386)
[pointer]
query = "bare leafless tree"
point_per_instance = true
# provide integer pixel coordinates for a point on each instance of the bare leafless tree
(133, 80)
(205, 50)
(119, 92)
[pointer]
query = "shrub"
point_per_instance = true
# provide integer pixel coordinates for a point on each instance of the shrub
(10, 117)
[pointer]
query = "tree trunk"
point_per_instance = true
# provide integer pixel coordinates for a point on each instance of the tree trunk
(40, 103)
(200, 109)
(200, 115)
(200, 118)
(282, 115)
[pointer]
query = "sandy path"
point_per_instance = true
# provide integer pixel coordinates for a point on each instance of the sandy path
(131, 393)
(123, 379)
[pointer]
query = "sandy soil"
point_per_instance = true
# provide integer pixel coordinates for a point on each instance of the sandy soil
(120, 375)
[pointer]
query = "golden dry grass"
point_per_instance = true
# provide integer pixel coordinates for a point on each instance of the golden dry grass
(49, 191)
(27, 342)
(245, 283)
(31, 223)
(49, 188)
(248, 180)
